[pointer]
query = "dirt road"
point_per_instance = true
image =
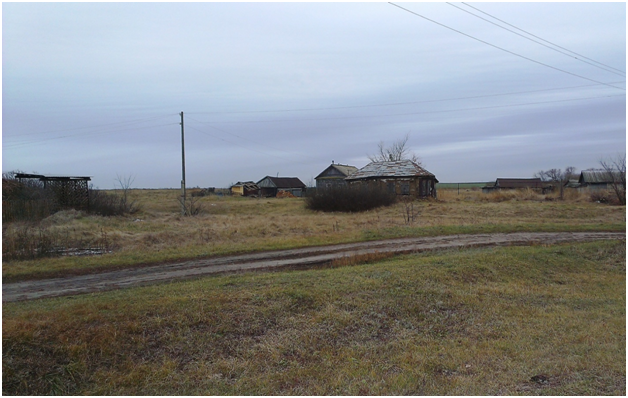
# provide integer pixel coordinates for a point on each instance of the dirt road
(277, 259)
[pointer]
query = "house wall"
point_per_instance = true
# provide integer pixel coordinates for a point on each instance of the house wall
(328, 182)
(237, 190)
(267, 192)
(251, 192)
(598, 187)
(331, 177)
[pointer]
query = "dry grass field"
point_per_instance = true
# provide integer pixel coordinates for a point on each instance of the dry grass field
(234, 224)
(540, 320)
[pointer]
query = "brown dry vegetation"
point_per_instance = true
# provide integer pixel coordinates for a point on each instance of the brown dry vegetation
(542, 320)
(235, 224)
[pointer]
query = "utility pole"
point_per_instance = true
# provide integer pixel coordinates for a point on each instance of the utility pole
(182, 168)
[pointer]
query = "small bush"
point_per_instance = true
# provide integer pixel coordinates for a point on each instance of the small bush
(604, 196)
(349, 199)
(105, 204)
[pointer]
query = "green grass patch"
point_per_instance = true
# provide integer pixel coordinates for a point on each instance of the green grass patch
(471, 322)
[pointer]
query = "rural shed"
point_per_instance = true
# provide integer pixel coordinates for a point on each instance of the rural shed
(271, 186)
(403, 177)
(68, 191)
(600, 179)
(334, 175)
(248, 188)
(519, 183)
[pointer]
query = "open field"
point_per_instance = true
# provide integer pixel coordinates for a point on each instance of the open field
(231, 225)
(541, 320)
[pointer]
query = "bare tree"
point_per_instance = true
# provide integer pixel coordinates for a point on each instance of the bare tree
(397, 151)
(557, 176)
(616, 169)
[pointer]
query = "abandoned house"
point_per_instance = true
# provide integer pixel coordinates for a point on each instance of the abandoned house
(403, 177)
(248, 188)
(334, 175)
(271, 186)
(534, 184)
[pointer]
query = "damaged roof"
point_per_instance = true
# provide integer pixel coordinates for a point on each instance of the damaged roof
(246, 185)
(400, 168)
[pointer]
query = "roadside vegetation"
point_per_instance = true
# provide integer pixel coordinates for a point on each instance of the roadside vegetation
(156, 231)
(540, 320)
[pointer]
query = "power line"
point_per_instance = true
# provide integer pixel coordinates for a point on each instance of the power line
(505, 50)
(43, 140)
(538, 42)
(128, 122)
(233, 143)
(399, 103)
(240, 137)
(540, 38)
(425, 113)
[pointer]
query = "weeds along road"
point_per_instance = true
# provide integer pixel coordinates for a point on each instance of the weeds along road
(293, 258)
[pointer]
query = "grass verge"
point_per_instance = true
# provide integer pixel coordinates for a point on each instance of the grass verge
(542, 320)
(67, 266)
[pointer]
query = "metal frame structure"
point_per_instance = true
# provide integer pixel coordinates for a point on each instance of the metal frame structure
(68, 191)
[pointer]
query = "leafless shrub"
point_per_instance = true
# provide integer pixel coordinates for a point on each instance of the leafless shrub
(25, 199)
(191, 206)
(349, 199)
(605, 196)
(408, 210)
(129, 206)
(114, 204)
(615, 167)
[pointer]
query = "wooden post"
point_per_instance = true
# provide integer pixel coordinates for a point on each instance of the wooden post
(183, 211)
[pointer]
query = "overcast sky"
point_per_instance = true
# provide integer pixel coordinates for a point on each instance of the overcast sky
(95, 89)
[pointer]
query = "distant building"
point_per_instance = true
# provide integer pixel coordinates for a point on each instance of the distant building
(248, 188)
(271, 186)
(600, 179)
(403, 177)
(519, 183)
(334, 175)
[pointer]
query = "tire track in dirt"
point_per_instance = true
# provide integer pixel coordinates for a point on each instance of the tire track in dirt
(293, 258)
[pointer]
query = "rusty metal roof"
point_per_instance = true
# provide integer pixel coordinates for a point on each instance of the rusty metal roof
(401, 168)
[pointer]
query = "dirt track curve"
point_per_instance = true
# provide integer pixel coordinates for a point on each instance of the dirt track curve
(277, 259)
